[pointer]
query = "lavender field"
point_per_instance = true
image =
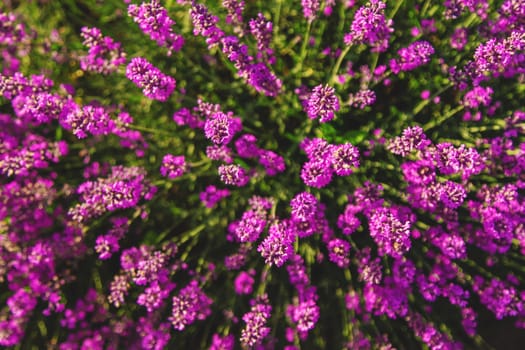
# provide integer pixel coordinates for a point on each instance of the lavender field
(262, 174)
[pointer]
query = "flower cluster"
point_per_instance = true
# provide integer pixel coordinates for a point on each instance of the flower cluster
(255, 73)
(324, 159)
(370, 26)
(154, 21)
(256, 329)
(123, 188)
(322, 103)
(173, 166)
(154, 84)
(104, 55)
(357, 232)
(415, 55)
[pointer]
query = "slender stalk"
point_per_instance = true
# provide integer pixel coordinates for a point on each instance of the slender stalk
(303, 52)
(149, 130)
(398, 6)
(277, 17)
(434, 122)
(337, 65)
(423, 103)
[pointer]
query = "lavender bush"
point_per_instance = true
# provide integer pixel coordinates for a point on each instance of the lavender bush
(262, 174)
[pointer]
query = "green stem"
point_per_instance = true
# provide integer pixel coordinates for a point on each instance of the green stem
(398, 6)
(199, 163)
(303, 52)
(265, 278)
(337, 65)
(434, 122)
(192, 233)
(277, 18)
(423, 103)
(145, 129)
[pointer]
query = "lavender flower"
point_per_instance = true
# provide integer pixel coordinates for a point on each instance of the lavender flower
(421, 172)
(304, 206)
(256, 330)
(272, 162)
(118, 290)
(499, 297)
(204, 23)
(413, 138)
(317, 149)
(222, 343)
(262, 31)
(88, 119)
(221, 153)
(305, 315)
(234, 9)
(212, 195)
(344, 158)
(237, 53)
(189, 305)
(322, 103)
(11, 31)
(411, 57)
(124, 188)
(362, 98)
(370, 26)
(391, 235)
(478, 96)
(173, 166)
(277, 247)
(107, 244)
(452, 194)
(184, 117)
(263, 80)
(154, 84)
(154, 296)
(348, 221)
(338, 251)
(310, 9)
(104, 55)
(40, 108)
(459, 39)
(243, 283)
(246, 146)
(234, 175)
(316, 174)
(220, 128)
(154, 21)
(370, 270)
(250, 226)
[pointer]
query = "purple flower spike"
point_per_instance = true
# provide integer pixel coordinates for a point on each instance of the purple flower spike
(154, 21)
(104, 56)
(322, 103)
(370, 26)
(304, 206)
(316, 174)
(310, 8)
(411, 57)
(173, 166)
(191, 304)
(204, 23)
(220, 128)
(391, 235)
(234, 175)
(154, 84)
(277, 248)
(212, 195)
(256, 329)
(344, 158)
(338, 252)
